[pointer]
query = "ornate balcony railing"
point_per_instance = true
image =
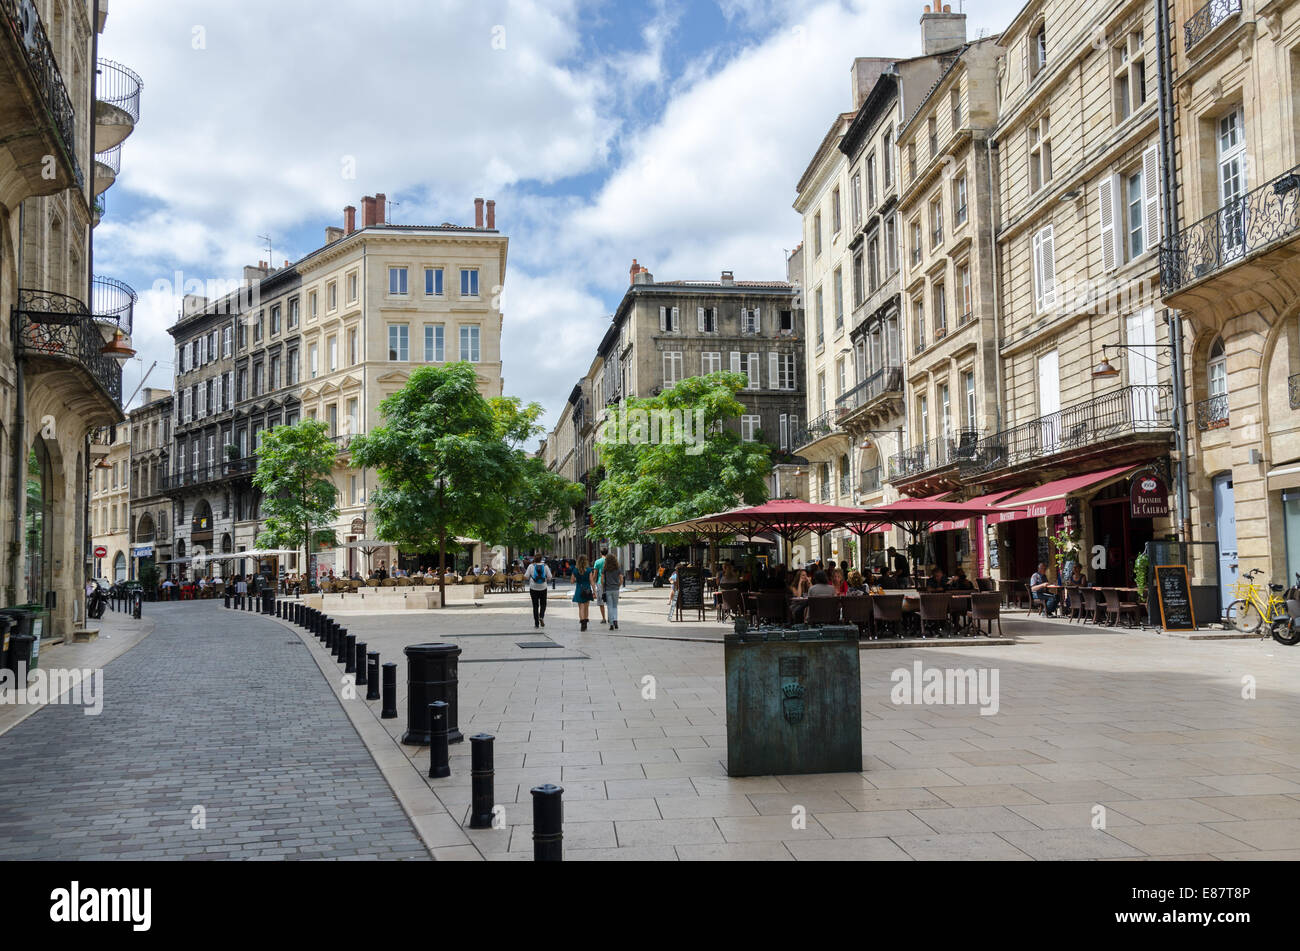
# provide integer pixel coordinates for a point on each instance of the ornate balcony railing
(57, 325)
(1265, 216)
(1204, 20)
(938, 453)
(825, 496)
(1129, 410)
(1293, 390)
(202, 475)
(112, 300)
(886, 380)
(111, 159)
(20, 19)
(845, 487)
(869, 480)
(823, 425)
(1212, 413)
(119, 86)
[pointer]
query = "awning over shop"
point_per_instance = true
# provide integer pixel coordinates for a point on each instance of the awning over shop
(989, 501)
(1050, 499)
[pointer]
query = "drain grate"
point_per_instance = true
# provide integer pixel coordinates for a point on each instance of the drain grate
(537, 645)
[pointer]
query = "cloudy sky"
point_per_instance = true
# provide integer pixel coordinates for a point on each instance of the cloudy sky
(668, 131)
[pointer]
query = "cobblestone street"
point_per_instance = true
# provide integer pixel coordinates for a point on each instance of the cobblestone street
(214, 709)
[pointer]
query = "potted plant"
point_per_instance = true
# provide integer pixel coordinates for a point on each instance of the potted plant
(1065, 549)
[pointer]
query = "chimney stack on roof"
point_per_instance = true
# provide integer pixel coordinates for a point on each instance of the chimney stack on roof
(368, 216)
(349, 219)
(728, 278)
(478, 212)
(332, 234)
(381, 208)
(491, 214)
(942, 31)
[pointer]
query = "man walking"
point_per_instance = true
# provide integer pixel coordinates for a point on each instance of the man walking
(538, 575)
(598, 569)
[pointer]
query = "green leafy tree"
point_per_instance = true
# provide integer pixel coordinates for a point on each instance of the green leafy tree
(450, 462)
(695, 468)
(299, 498)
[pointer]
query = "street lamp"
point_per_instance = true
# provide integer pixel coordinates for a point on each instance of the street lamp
(1107, 370)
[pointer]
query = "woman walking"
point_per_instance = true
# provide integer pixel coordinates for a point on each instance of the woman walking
(613, 586)
(582, 595)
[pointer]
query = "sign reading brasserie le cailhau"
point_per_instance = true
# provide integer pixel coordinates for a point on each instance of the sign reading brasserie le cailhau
(1148, 496)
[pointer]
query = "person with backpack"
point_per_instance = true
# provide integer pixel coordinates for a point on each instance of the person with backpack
(538, 575)
(613, 586)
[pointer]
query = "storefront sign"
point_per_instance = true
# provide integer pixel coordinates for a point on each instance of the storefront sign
(358, 526)
(142, 551)
(1148, 496)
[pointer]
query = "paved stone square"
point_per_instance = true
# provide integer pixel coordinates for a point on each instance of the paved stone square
(1147, 734)
(1150, 738)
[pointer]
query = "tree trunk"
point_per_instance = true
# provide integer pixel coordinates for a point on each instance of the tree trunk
(442, 549)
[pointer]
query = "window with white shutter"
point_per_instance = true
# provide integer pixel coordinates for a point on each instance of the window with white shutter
(785, 433)
(1044, 269)
(663, 320)
(752, 370)
(1106, 190)
(773, 371)
(735, 363)
(699, 319)
(676, 324)
(1151, 196)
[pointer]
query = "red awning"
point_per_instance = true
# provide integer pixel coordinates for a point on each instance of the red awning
(989, 501)
(1050, 499)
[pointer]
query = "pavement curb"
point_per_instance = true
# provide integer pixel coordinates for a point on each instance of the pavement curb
(437, 828)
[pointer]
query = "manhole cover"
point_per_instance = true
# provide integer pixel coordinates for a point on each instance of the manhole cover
(537, 645)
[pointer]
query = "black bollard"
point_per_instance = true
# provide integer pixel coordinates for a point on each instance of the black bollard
(430, 675)
(137, 604)
(481, 779)
(340, 640)
(372, 675)
(349, 653)
(279, 608)
(439, 766)
(359, 655)
(227, 599)
(389, 711)
(548, 823)
(328, 626)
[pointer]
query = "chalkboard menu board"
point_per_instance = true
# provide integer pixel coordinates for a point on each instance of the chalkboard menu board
(690, 595)
(1175, 593)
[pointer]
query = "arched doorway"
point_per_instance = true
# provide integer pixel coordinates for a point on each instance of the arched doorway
(39, 548)
(119, 567)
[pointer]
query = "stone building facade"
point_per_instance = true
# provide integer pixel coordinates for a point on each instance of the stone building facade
(151, 509)
(63, 119)
(110, 506)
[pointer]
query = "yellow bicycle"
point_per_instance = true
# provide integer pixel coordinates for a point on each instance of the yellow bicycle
(1252, 609)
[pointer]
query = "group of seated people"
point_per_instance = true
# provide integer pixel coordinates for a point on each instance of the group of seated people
(1044, 591)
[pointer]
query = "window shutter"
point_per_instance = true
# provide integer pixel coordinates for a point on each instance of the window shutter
(753, 371)
(785, 432)
(1048, 246)
(735, 362)
(1151, 198)
(676, 324)
(699, 318)
(1106, 198)
(663, 319)
(773, 372)
(1038, 271)
(758, 320)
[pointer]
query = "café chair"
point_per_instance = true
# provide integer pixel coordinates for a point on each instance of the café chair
(986, 606)
(934, 611)
(887, 611)
(729, 604)
(1116, 609)
(857, 610)
(822, 611)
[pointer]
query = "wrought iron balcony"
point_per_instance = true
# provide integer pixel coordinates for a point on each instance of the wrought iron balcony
(117, 105)
(884, 382)
(1266, 216)
(869, 481)
(825, 496)
(845, 488)
(20, 20)
(938, 453)
(107, 166)
(1130, 410)
(214, 472)
(60, 327)
(1204, 21)
(1293, 390)
(823, 425)
(112, 301)
(1212, 413)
